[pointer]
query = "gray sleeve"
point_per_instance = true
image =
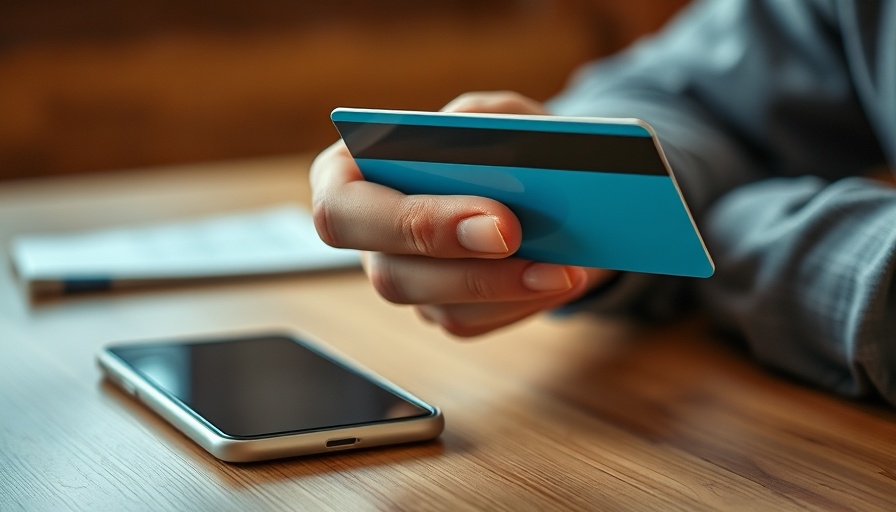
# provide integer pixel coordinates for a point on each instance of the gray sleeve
(746, 96)
(807, 275)
(737, 90)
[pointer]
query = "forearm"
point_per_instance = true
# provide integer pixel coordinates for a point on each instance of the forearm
(806, 275)
(736, 95)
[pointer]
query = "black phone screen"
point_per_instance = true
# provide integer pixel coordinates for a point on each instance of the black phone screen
(263, 386)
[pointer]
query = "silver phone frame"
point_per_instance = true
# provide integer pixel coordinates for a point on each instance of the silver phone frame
(230, 449)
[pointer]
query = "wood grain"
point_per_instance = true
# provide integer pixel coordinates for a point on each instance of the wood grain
(571, 413)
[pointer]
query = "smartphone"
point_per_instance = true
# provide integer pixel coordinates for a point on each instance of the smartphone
(267, 396)
(593, 192)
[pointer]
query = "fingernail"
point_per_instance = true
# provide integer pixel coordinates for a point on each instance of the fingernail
(481, 234)
(543, 277)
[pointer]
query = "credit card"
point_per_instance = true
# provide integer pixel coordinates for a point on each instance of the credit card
(591, 192)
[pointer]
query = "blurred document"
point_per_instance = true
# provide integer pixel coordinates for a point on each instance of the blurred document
(281, 239)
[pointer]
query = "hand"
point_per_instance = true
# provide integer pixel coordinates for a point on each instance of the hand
(449, 256)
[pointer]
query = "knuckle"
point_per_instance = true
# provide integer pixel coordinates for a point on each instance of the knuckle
(323, 162)
(514, 102)
(442, 318)
(479, 287)
(457, 328)
(418, 228)
(323, 223)
(467, 98)
(505, 101)
(450, 321)
(386, 282)
(473, 101)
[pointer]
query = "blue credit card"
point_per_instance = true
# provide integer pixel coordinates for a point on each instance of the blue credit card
(591, 192)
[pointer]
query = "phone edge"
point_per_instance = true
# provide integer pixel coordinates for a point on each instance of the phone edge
(235, 450)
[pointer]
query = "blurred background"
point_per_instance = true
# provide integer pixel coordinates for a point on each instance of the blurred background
(100, 85)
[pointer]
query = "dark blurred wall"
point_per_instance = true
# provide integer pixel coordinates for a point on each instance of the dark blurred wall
(102, 84)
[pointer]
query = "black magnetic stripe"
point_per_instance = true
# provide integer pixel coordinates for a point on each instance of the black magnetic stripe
(500, 147)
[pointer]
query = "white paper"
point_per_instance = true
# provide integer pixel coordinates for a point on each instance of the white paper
(274, 240)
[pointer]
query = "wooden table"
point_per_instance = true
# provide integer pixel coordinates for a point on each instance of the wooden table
(567, 413)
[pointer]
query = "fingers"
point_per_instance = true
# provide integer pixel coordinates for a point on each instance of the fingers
(351, 212)
(472, 319)
(498, 102)
(446, 254)
(416, 280)
(467, 320)
(471, 297)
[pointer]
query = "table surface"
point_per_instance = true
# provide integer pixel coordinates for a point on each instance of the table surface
(556, 413)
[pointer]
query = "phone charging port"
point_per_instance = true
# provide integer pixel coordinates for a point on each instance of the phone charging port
(347, 441)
